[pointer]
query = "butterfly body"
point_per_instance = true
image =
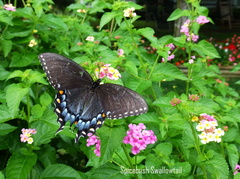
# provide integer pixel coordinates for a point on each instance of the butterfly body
(85, 102)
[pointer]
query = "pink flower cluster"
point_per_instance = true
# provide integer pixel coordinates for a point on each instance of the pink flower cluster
(26, 135)
(138, 137)
(9, 7)
(107, 71)
(92, 140)
(236, 169)
(193, 97)
(175, 101)
(170, 55)
(185, 28)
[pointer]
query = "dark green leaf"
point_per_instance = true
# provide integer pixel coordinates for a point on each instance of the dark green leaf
(6, 128)
(165, 71)
(14, 95)
(177, 14)
(111, 139)
(6, 47)
(60, 171)
(20, 166)
(5, 114)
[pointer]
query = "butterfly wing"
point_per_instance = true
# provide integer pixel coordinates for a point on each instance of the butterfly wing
(119, 101)
(64, 73)
(82, 107)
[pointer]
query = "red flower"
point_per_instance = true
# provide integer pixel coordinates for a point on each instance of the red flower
(231, 47)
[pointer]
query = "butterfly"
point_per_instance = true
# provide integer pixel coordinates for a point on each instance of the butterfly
(84, 102)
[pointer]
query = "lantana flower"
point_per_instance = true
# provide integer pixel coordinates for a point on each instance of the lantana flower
(32, 43)
(129, 12)
(202, 20)
(81, 11)
(26, 135)
(90, 38)
(9, 7)
(107, 71)
(138, 137)
(94, 140)
(207, 125)
(236, 169)
(175, 101)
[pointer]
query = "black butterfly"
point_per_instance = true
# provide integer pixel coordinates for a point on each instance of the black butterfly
(85, 102)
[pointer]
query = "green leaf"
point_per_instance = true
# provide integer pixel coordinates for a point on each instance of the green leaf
(6, 46)
(9, 34)
(177, 14)
(3, 73)
(45, 132)
(111, 139)
(164, 149)
(14, 95)
(165, 71)
(19, 60)
(233, 155)
(20, 166)
(54, 22)
(5, 114)
(60, 171)
(45, 99)
(14, 74)
(37, 111)
(107, 170)
(217, 166)
(6, 128)
(208, 49)
(147, 118)
(6, 17)
(148, 33)
(138, 85)
(131, 67)
(106, 18)
(26, 12)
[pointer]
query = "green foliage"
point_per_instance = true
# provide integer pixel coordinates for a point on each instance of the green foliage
(26, 97)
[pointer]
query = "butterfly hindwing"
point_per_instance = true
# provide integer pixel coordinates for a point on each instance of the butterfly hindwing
(82, 107)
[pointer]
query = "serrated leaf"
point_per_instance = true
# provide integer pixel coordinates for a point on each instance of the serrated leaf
(19, 60)
(107, 170)
(167, 70)
(54, 22)
(148, 33)
(14, 74)
(19, 166)
(14, 95)
(177, 14)
(5, 114)
(106, 18)
(37, 111)
(131, 68)
(60, 171)
(208, 49)
(164, 149)
(45, 99)
(6, 128)
(6, 47)
(138, 85)
(45, 132)
(111, 139)
(233, 155)
(147, 118)
(4, 73)
(217, 166)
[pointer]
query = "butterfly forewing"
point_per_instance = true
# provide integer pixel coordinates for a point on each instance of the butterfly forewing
(64, 73)
(119, 101)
